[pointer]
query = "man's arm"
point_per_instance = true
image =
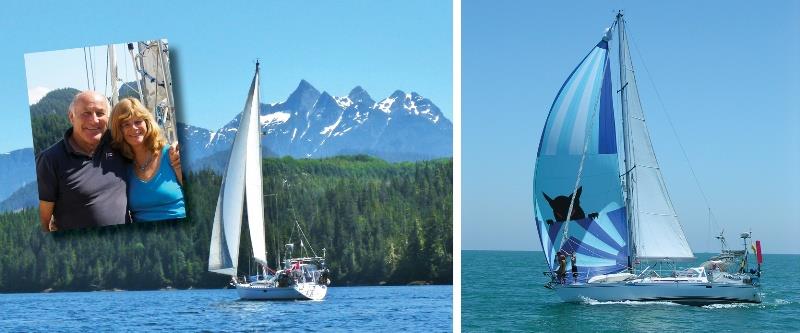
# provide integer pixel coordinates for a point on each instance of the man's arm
(46, 215)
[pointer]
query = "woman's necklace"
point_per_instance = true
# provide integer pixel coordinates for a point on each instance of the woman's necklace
(144, 166)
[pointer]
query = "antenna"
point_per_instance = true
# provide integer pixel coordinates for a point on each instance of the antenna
(721, 238)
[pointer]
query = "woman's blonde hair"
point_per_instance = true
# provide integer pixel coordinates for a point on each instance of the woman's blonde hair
(129, 108)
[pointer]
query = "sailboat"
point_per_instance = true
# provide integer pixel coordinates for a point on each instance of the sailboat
(606, 223)
(302, 278)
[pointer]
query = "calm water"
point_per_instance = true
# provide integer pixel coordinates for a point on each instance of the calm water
(419, 308)
(503, 291)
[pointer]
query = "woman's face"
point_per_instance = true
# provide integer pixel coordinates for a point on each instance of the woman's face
(133, 130)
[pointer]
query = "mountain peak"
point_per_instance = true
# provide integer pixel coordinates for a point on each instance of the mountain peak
(304, 85)
(398, 94)
(359, 95)
(325, 96)
(303, 96)
(357, 90)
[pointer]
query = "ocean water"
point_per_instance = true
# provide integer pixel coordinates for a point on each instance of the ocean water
(504, 291)
(412, 309)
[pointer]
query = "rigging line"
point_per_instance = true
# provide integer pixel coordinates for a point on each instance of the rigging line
(297, 223)
(306, 238)
(108, 73)
(128, 85)
(587, 134)
(125, 67)
(91, 65)
(86, 68)
(677, 138)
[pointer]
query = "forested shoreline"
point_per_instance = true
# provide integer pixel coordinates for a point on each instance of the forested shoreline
(380, 223)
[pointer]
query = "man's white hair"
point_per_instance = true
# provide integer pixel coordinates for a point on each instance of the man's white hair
(71, 108)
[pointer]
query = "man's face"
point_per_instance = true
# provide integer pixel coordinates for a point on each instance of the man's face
(89, 118)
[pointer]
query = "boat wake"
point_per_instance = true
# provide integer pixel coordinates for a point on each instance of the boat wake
(589, 301)
(777, 302)
(734, 306)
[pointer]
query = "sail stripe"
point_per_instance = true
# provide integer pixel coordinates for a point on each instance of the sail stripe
(594, 229)
(585, 108)
(593, 239)
(576, 245)
(568, 108)
(617, 218)
(571, 108)
(607, 133)
(564, 104)
(556, 100)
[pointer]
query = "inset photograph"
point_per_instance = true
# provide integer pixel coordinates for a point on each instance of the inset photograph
(104, 135)
(617, 181)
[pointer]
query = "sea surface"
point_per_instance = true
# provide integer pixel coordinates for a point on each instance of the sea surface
(504, 291)
(362, 309)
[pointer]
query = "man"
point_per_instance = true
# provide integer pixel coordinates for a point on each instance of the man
(82, 181)
(561, 273)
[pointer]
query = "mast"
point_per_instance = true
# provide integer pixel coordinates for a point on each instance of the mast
(136, 73)
(655, 232)
(628, 156)
(112, 67)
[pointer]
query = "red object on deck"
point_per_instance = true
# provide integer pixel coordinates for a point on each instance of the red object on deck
(758, 252)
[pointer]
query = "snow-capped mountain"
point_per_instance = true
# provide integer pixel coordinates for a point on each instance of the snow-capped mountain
(313, 124)
(18, 185)
(19, 169)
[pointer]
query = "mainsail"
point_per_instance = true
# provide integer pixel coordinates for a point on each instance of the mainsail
(657, 234)
(242, 180)
(577, 192)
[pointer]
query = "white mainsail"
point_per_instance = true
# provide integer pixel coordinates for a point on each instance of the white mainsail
(242, 180)
(657, 233)
(253, 176)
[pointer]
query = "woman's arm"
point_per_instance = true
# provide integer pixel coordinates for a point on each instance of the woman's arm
(175, 162)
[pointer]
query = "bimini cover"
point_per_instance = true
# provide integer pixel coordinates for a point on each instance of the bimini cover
(580, 131)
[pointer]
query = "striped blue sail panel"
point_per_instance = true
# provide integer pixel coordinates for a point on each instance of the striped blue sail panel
(581, 130)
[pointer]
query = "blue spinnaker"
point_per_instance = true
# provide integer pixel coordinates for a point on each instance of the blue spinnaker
(581, 131)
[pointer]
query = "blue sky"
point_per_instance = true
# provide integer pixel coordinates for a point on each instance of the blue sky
(728, 73)
(382, 46)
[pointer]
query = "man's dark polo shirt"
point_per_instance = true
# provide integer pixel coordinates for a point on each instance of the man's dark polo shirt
(87, 190)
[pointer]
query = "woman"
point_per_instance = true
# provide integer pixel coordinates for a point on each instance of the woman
(154, 186)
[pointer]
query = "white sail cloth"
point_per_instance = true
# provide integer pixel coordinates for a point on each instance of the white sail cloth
(657, 232)
(242, 180)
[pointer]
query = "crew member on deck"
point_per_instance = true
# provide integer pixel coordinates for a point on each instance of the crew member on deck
(574, 269)
(561, 273)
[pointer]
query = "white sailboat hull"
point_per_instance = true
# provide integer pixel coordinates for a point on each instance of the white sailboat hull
(300, 291)
(677, 292)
